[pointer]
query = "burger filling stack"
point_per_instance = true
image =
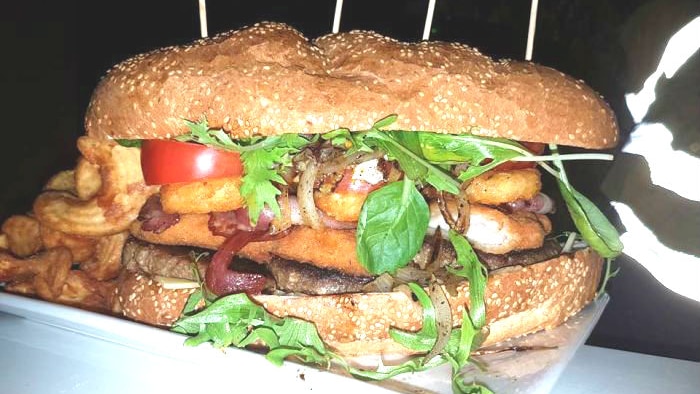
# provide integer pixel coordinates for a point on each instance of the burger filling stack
(345, 196)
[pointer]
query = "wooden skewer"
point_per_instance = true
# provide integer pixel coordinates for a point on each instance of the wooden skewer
(336, 16)
(429, 19)
(203, 18)
(531, 30)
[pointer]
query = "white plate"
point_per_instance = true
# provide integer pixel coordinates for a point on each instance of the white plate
(162, 354)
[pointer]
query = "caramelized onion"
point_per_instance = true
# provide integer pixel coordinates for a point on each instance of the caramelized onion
(443, 319)
(541, 203)
(284, 222)
(433, 264)
(412, 274)
(460, 221)
(339, 164)
(446, 214)
(305, 193)
(463, 214)
(381, 284)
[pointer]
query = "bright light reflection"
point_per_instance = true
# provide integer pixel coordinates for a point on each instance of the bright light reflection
(679, 48)
(677, 271)
(653, 141)
(205, 162)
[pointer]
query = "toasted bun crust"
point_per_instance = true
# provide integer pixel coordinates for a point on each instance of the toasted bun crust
(141, 298)
(519, 300)
(268, 79)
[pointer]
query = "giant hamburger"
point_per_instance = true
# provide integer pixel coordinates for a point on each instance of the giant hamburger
(326, 179)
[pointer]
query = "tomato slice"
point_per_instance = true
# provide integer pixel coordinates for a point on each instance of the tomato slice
(167, 161)
(534, 147)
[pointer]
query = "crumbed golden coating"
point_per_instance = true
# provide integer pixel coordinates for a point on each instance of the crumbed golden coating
(344, 207)
(22, 234)
(500, 187)
(491, 231)
(213, 195)
(122, 192)
(325, 248)
(269, 79)
(82, 248)
(79, 290)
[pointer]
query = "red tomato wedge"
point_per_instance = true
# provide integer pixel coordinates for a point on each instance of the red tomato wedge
(534, 147)
(166, 161)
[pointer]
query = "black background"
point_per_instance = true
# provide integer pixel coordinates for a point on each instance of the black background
(53, 54)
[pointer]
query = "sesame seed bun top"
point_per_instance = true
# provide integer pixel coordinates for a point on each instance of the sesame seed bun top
(268, 79)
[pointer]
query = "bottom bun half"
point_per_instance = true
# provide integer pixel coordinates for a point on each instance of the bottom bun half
(519, 301)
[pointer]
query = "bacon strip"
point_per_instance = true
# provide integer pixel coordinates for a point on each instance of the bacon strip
(227, 223)
(154, 218)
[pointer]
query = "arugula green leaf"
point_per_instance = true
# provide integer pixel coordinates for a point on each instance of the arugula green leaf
(391, 227)
(423, 340)
(352, 142)
(459, 386)
(384, 122)
(470, 149)
(594, 227)
(129, 143)
(463, 341)
(202, 134)
(341, 137)
(415, 364)
(237, 321)
(467, 148)
(462, 348)
(200, 295)
(404, 148)
(457, 351)
(475, 272)
(300, 333)
(296, 338)
(609, 274)
(192, 301)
